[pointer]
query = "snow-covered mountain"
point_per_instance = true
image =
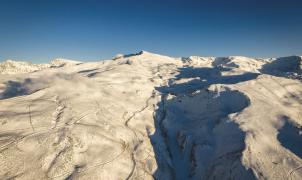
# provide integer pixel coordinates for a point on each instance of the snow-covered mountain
(15, 67)
(60, 62)
(18, 67)
(148, 116)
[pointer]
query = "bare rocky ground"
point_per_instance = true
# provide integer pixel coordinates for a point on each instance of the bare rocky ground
(148, 116)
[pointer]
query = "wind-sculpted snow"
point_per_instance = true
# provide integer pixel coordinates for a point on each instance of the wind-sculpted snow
(203, 78)
(290, 67)
(202, 141)
(148, 116)
(290, 136)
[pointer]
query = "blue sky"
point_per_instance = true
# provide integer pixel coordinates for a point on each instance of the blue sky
(40, 30)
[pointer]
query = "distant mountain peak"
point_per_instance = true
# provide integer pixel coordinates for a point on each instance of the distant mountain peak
(59, 62)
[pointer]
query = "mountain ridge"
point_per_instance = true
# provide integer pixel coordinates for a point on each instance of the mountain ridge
(148, 116)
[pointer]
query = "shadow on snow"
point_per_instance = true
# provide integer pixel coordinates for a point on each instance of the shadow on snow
(290, 137)
(15, 88)
(194, 139)
(288, 67)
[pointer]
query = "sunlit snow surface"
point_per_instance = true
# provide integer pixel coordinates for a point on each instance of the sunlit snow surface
(148, 116)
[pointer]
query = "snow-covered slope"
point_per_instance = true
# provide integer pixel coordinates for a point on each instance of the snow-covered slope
(148, 116)
(60, 62)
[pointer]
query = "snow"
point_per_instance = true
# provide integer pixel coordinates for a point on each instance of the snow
(14, 67)
(19, 67)
(149, 116)
(59, 62)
